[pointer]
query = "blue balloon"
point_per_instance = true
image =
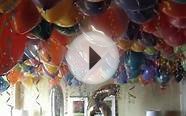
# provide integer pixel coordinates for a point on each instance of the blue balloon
(141, 16)
(4, 85)
(134, 60)
(136, 4)
(71, 81)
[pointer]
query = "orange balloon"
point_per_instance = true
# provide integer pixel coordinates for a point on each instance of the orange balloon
(25, 17)
(14, 76)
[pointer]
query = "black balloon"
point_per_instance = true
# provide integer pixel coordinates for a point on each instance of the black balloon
(42, 31)
(132, 31)
(148, 39)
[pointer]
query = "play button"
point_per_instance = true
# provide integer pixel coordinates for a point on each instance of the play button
(92, 57)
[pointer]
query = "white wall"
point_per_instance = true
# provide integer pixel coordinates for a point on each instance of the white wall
(147, 98)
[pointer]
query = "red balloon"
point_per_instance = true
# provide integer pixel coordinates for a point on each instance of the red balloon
(11, 45)
(152, 27)
(26, 17)
(112, 22)
(53, 50)
(178, 22)
(172, 36)
(173, 9)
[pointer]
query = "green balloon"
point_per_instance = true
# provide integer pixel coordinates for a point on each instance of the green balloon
(150, 51)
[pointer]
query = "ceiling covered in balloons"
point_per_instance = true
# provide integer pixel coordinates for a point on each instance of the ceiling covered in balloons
(35, 36)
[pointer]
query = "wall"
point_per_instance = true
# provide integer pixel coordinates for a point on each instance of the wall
(147, 98)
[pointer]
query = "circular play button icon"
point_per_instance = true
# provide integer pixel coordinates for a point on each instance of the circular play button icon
(92, 57)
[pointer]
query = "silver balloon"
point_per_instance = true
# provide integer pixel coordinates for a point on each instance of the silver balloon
(106, 91)
(101, 109)
(57, 101)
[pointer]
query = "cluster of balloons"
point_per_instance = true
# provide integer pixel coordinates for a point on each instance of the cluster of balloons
(34, 35)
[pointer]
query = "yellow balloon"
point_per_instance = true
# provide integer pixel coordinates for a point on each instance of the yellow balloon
(8, 5)
(28, 80)
(63, 13)
(50, 68)
(137, 47)
(124, 44)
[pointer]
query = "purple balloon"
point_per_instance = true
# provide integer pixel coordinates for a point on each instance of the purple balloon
(149, 73)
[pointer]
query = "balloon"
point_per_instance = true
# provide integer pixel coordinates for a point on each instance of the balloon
(124, 44)
(11, 45)
(105, 91)
(149, 73)
(165, 49)
(133, 61)
(100, 109)
(71, 80)
(92, 7)
(137, 47)
(14, 75)
(53, 50)
(113, 22)
(27, 80)
(171, 35)
(8, 5)
(50, 70)
(141, 16)
(46, 4)
(180, 1)
(139, 11)
(179, 71)
(148, 40)
(173, 9)
(42, 31)
(121, 75)
(4, 85)
(56, 101)
(68, 31)
(64, 11)
(151, 53)
(137, 4)
(163, 77)
(178, 22)
(25, 17)
(31, 49)
(132, 31)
